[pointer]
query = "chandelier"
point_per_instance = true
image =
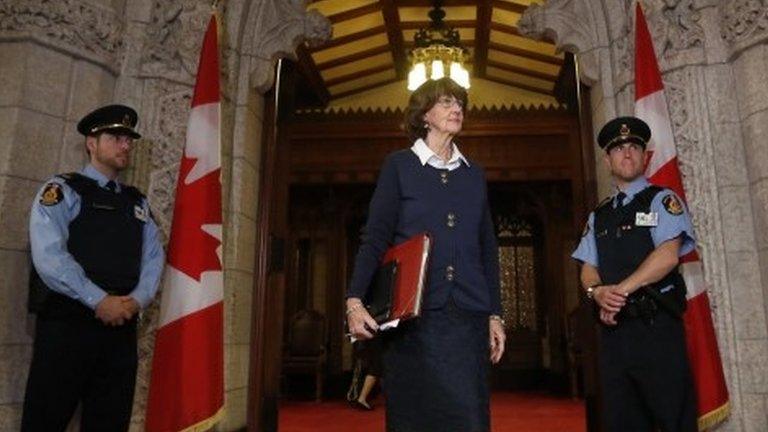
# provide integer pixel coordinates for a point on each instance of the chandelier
(437, 53)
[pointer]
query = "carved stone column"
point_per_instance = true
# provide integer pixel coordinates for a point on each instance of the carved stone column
(159, 71)
(58, 60)
(744, 32)
(705, 48)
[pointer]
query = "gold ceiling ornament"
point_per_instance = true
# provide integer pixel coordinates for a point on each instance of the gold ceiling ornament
(438, 52)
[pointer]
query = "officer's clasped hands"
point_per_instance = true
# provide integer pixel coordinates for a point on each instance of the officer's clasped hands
(116, 310)
(611, 299)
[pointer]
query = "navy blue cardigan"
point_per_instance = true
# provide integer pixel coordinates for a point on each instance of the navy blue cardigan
(411, 198)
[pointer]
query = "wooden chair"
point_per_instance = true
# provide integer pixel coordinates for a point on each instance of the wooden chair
(304, 351)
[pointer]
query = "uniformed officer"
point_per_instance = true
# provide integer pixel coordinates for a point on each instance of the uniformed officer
(97, 261)
(629, 252)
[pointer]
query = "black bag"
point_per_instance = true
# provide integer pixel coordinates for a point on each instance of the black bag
(378, 301)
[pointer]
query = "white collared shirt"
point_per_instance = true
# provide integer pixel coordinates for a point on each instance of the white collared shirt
(427, 156)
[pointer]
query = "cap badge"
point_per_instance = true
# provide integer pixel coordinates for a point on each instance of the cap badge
(624, 131)
(127, 120)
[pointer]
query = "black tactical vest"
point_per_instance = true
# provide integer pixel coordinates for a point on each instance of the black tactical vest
(105, 239)
(622, 245)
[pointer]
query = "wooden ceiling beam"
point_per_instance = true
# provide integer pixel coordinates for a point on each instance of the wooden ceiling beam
(518, 84)
(446, 3)
(523, 71)
(415, 25)
(482, 36)
(504, 28)
(353, 57)
(466, 43)
(355, 13)
(359, 74)
(364, 88)
(309, 71)
(352, 37)
(509, 7)
(533, 55)
(395, 36)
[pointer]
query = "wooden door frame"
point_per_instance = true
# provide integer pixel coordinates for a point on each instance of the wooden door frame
(270, 257)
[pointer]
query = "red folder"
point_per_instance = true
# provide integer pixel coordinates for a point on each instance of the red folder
(411, 257)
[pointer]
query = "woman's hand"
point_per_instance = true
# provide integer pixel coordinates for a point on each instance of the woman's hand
(497, 338)
(361, 324)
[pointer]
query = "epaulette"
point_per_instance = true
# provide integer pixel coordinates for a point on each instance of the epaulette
(605, 201)
(69, 175)
(77, 181)
(133, 192)
(647, 194)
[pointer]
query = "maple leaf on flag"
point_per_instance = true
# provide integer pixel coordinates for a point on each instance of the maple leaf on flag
(191, 249)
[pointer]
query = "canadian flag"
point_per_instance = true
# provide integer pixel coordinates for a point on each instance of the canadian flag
(186, 390)
(662, 170)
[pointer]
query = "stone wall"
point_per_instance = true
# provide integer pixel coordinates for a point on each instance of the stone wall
(58, 62)
(62, 58)
(712, 57)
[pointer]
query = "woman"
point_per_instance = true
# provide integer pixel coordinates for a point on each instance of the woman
(368, 367)
(435, 367)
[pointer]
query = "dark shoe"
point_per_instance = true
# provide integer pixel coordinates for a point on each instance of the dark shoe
(356, 404)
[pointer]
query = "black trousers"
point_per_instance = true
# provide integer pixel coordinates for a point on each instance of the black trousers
(645, 377)
(79, 360)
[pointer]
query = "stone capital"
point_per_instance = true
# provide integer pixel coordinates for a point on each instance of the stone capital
(173, 40)
(744, 23)
(576, 26)
(73, 26)
(274, 29)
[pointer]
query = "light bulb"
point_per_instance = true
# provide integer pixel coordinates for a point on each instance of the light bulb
(437, 69)
(417, 76)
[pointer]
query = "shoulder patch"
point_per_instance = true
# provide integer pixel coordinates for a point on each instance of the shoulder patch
(672, 205)
(52, 194)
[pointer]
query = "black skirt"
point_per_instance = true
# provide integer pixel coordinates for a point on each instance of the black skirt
(436, 373)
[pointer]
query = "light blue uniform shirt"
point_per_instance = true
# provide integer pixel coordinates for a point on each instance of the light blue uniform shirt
(48, 235)
(669, 225)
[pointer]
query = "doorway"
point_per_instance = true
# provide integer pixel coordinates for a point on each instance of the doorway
(533, 160)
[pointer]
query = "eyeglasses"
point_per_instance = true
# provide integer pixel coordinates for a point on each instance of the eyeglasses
(448, 102)
(119, 139)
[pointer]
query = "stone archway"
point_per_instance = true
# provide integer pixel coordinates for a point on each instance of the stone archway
(158, 75)
(710, 54)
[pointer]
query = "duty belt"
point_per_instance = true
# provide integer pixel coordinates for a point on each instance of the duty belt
(639, 305)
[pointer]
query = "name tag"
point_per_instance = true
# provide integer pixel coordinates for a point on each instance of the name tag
(140, 213)
(647, 219)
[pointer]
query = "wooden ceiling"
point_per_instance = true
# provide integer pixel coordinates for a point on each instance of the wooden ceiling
(372, 39)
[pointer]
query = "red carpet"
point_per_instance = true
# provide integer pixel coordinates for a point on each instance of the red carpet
(513, 412)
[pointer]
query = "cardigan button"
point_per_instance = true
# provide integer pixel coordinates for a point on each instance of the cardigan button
(451, 220)
(449, 273)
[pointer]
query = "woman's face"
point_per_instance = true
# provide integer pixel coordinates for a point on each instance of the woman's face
(446, 116)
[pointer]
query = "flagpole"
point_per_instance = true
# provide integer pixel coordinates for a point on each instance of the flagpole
(585, 137)
(579, 113)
